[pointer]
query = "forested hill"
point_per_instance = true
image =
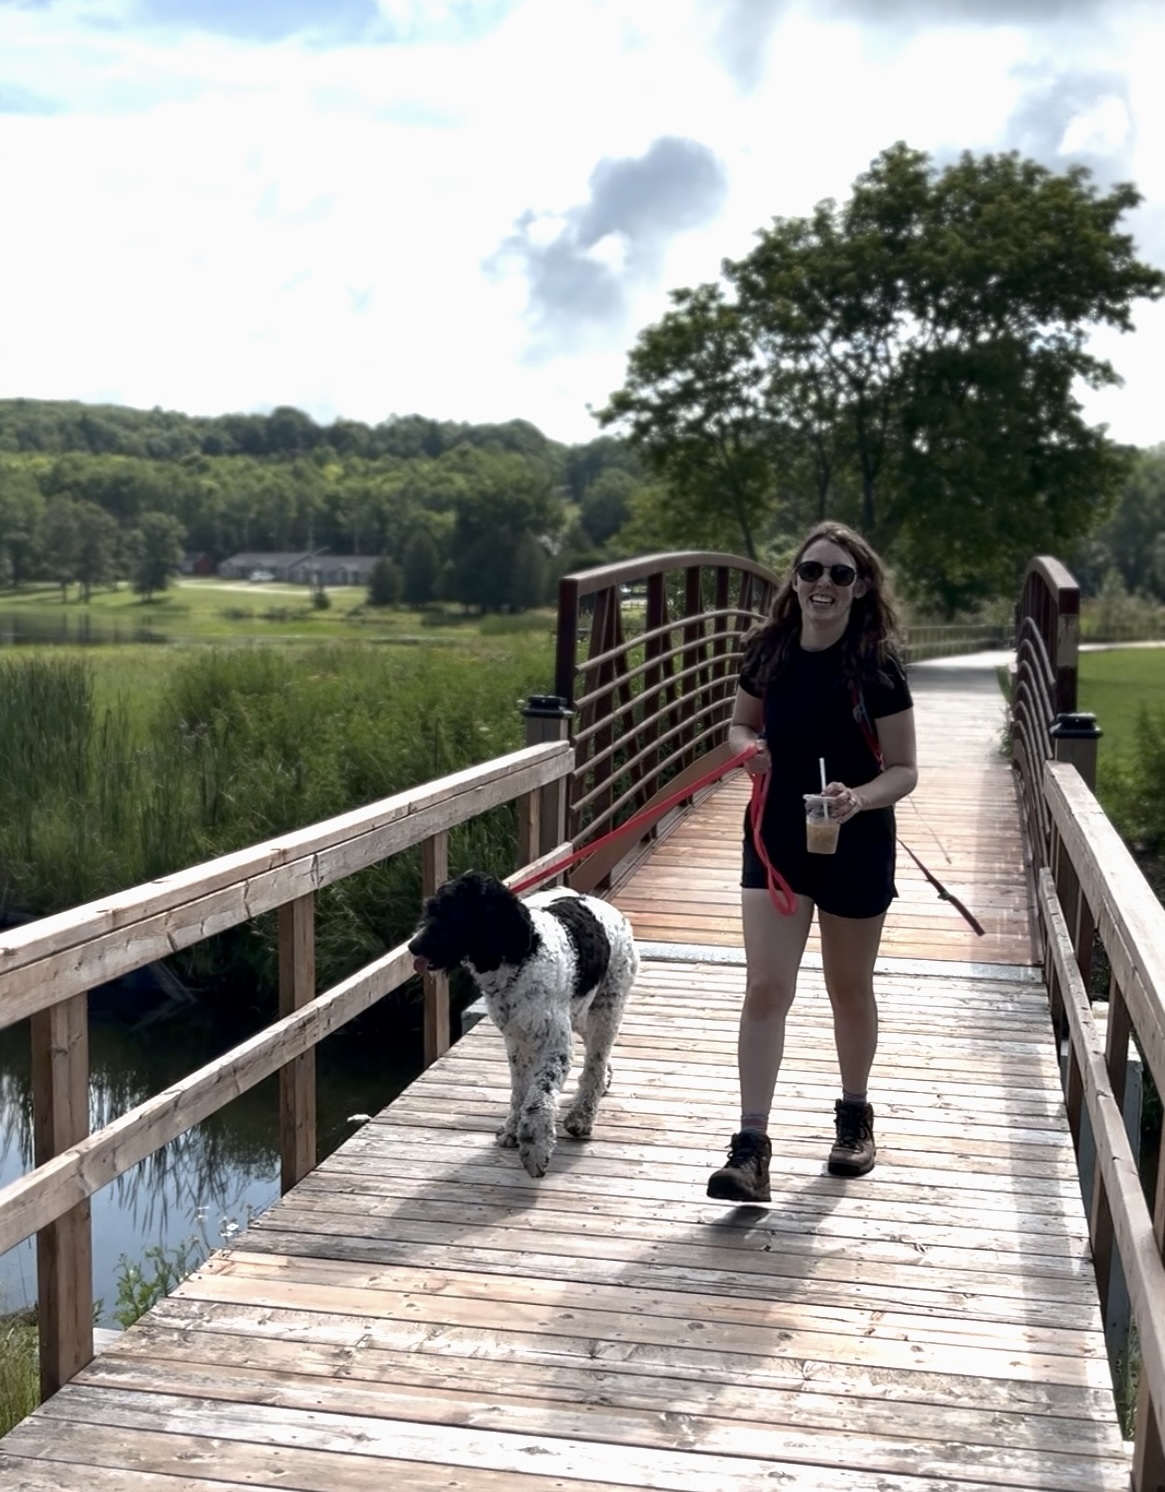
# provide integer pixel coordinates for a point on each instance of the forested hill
(478, 500)
(55, 427)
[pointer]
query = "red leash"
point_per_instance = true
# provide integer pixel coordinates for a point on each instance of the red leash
(782, 897)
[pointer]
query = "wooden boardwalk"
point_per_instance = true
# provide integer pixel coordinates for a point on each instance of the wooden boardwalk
(419, 1314)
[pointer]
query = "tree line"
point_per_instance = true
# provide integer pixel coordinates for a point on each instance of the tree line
(486, 515)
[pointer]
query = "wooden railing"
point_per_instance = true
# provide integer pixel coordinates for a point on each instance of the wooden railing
(1045, 724)
(949, 639)
(1090, 887)
(653, 695)
(47, 967)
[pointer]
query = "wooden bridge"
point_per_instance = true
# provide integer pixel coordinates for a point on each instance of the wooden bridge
(416, 1312)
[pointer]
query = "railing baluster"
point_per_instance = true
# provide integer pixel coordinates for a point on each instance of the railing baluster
(297, 1081)
(64, 1249)
(434, 873)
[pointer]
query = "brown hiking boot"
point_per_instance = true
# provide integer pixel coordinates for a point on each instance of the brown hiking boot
(745, 1177)
(854, 1149)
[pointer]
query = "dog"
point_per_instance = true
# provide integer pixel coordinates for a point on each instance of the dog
(556, 962)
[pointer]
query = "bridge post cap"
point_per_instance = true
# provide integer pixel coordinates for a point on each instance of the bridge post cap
(546, 707)
(1073, 726)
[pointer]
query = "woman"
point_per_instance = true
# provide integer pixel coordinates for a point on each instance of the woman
(820, 681)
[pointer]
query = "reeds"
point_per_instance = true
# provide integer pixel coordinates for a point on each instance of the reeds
(239, 745)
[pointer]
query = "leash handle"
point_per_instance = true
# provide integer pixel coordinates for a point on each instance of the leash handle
(781, 894)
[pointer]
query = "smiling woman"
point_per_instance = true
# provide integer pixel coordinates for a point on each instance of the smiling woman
(824, 698)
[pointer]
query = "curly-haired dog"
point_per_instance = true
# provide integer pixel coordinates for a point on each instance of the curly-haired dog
(555, 962)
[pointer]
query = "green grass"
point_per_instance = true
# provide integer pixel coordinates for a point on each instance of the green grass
(19, 1374)
(1115, 686)
(213, 610)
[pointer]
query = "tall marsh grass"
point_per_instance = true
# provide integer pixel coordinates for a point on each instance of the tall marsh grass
(238, 745)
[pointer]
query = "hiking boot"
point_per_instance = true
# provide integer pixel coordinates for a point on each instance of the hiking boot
(745, 1178)
(854, 1149)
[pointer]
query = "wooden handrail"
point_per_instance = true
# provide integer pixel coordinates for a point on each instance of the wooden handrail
(1093, 884)
(70, 952)
(47, 967)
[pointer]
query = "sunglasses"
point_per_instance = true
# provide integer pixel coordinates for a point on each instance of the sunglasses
(811, 570)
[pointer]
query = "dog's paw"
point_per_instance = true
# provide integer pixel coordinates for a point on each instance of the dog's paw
(507, 1136)
(579, 1123)
(535, 1150)
(535, 1158)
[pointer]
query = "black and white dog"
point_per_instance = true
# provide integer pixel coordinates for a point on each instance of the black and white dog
(555, 962)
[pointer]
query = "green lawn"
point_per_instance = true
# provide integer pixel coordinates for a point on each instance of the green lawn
(214, 610)
(1115, 686)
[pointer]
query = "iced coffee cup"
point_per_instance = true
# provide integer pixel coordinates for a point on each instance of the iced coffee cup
(821, 830)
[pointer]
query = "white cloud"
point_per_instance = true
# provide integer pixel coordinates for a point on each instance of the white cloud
(207, 223)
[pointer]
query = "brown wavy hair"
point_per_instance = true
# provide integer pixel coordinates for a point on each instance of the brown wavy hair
(872, 637)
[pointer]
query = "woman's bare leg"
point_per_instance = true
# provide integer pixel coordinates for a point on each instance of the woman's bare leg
(773, 947)
(849, 947)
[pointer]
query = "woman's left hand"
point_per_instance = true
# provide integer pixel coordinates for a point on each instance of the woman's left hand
(844, 801)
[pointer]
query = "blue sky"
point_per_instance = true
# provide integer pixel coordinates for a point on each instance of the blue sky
(467, 208)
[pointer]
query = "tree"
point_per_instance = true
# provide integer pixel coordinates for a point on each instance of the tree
(1132, 538)
(21, 514)
(527, 574)
(905, 361)
(384, 584)
(97, 536)
(422, 565)
(607, 504)
(156, 553)
(62, 542)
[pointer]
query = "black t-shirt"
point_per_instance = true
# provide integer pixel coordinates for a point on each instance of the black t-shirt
(810, 712)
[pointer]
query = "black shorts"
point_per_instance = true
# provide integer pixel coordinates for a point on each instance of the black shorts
(857, 881)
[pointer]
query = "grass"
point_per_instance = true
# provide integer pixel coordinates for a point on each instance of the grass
(1115, 686)
(19, 1373)
(236, 611)
(119, 765)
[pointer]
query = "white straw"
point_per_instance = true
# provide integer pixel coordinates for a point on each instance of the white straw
(821, 764)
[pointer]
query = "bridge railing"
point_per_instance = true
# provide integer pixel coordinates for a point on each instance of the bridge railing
(1092, 886)
(48, 966)
(648, 653)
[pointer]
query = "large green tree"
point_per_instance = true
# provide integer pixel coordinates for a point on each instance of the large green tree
(156, 552)
(908, 360)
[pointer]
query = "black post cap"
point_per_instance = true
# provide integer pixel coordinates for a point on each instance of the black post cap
(546, 706)
(1075, 727)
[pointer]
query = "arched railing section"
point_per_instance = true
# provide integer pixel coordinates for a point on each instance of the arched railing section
(47, 967)
(1092, 886)
(648, 653)
(1045, 724)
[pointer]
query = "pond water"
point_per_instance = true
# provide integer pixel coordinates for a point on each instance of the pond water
(70, 627)
(207, 1183)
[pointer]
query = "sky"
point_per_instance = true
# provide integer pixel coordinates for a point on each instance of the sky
(468, 209)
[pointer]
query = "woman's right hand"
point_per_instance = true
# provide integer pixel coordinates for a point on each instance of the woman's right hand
(760, 763)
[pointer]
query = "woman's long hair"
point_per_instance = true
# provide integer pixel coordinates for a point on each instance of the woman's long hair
(872, 636)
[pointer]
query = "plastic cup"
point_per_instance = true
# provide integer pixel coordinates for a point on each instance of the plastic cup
(821, 830)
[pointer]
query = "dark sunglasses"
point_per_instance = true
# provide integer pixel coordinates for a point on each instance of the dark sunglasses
(811, 570)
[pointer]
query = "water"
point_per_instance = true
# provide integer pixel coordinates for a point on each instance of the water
(70, 627)
(208, 1182)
